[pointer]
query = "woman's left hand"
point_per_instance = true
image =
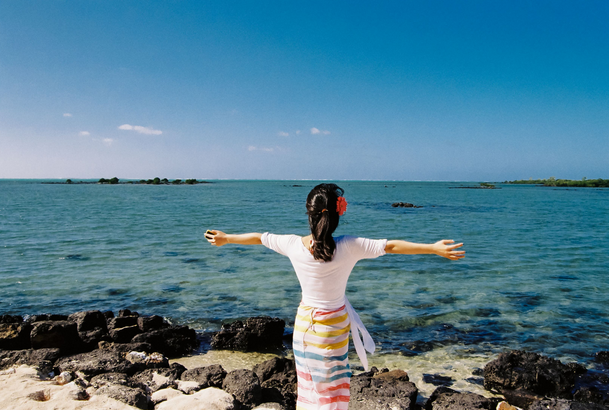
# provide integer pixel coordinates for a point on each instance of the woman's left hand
(444, 249)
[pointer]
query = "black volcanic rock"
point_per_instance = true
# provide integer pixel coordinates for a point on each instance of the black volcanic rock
(256, 334)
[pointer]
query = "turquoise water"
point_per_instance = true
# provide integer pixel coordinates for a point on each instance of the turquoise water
(535, 275)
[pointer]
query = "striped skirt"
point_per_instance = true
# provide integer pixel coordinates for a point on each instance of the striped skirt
(321, 343)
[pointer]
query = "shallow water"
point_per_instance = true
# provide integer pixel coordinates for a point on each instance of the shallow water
(535, 275)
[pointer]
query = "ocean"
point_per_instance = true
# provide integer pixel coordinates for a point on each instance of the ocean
(535, 276)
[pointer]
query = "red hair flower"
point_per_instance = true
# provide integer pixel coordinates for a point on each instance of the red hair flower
(341, 205)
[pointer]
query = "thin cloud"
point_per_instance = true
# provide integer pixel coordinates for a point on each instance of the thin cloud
(84, 133)
(108, 141)
(139, 129)
(67, 114)
(265, 149)
(283, 134)
(316, 131)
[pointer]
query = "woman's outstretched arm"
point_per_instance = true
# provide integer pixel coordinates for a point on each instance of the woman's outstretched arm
(440, 248)
(219, 238)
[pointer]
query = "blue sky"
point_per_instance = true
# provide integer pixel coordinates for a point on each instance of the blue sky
(406, 90)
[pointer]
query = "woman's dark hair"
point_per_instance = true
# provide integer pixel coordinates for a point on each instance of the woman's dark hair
(323, 219)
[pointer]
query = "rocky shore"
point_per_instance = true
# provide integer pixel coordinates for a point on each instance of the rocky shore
(96, 360)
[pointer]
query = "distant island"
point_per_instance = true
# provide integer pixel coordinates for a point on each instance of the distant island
(155, 181)
(571, 183)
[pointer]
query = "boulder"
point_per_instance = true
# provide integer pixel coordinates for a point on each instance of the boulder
(148, 323)
(404, 205)
(273, 367)
(128, 395)
(602, 357)
(532, 372)
(11, 319)
(208, 376)
(125, 347)
(452, 400)
(60, 334)
(108, 379)
(126, 313)
(124, 334)
(42, 359)
(256, 334)
(278, 381)
(174, 341)
(89, 320)
(15, 335)
(206, 399)
(97, 362)
(122, 321)
(244, 385)
(188, 387)
(91, 326)
(382, 390)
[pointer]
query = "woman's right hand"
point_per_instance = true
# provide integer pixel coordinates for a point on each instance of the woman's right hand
(216, 238)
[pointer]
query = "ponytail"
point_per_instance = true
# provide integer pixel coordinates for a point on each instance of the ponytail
(323, 219)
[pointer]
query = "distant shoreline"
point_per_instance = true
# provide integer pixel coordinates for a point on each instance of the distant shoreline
(571, 183)
(116, 181)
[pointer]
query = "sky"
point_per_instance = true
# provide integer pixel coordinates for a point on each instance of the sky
(385, 90)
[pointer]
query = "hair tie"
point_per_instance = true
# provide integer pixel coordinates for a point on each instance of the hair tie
(341, 205)
(323, 210)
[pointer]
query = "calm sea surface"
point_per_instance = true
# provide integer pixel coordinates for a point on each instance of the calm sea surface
(535, 276)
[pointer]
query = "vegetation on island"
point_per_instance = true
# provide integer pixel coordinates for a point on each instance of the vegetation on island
(571, 183)
(155, 181)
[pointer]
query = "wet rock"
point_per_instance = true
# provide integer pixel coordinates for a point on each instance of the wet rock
(42, 359)
(148, 323)
(15, 335)
(438, 379)
(602, 357)
(127, 313)
(388, 390)
(60, 334)
(256, 334)
(533, 372)
(447, 399)
(589, 394)
(562, 404)
(122, 321)
(91, 326)
(124, 334)
(209, 399)
(89, 320)
(128, 395)
(174, 341)
(97, 362)
(208, 376)
(244, 385)
(11, 319)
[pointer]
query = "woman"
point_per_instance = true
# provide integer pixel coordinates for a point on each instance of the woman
(325, 316)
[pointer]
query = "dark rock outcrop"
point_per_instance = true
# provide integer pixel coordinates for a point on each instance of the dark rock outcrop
(382, 390)
(244, 385)
(174, 341)
(256, 334)
(278, 381)
(518, 370)
(97, 362)
(447, 399)
(43, 359)
(60, 334)
(208, 376)
(602, 357)
(15, 335)
(91, 326)
(128, 395)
